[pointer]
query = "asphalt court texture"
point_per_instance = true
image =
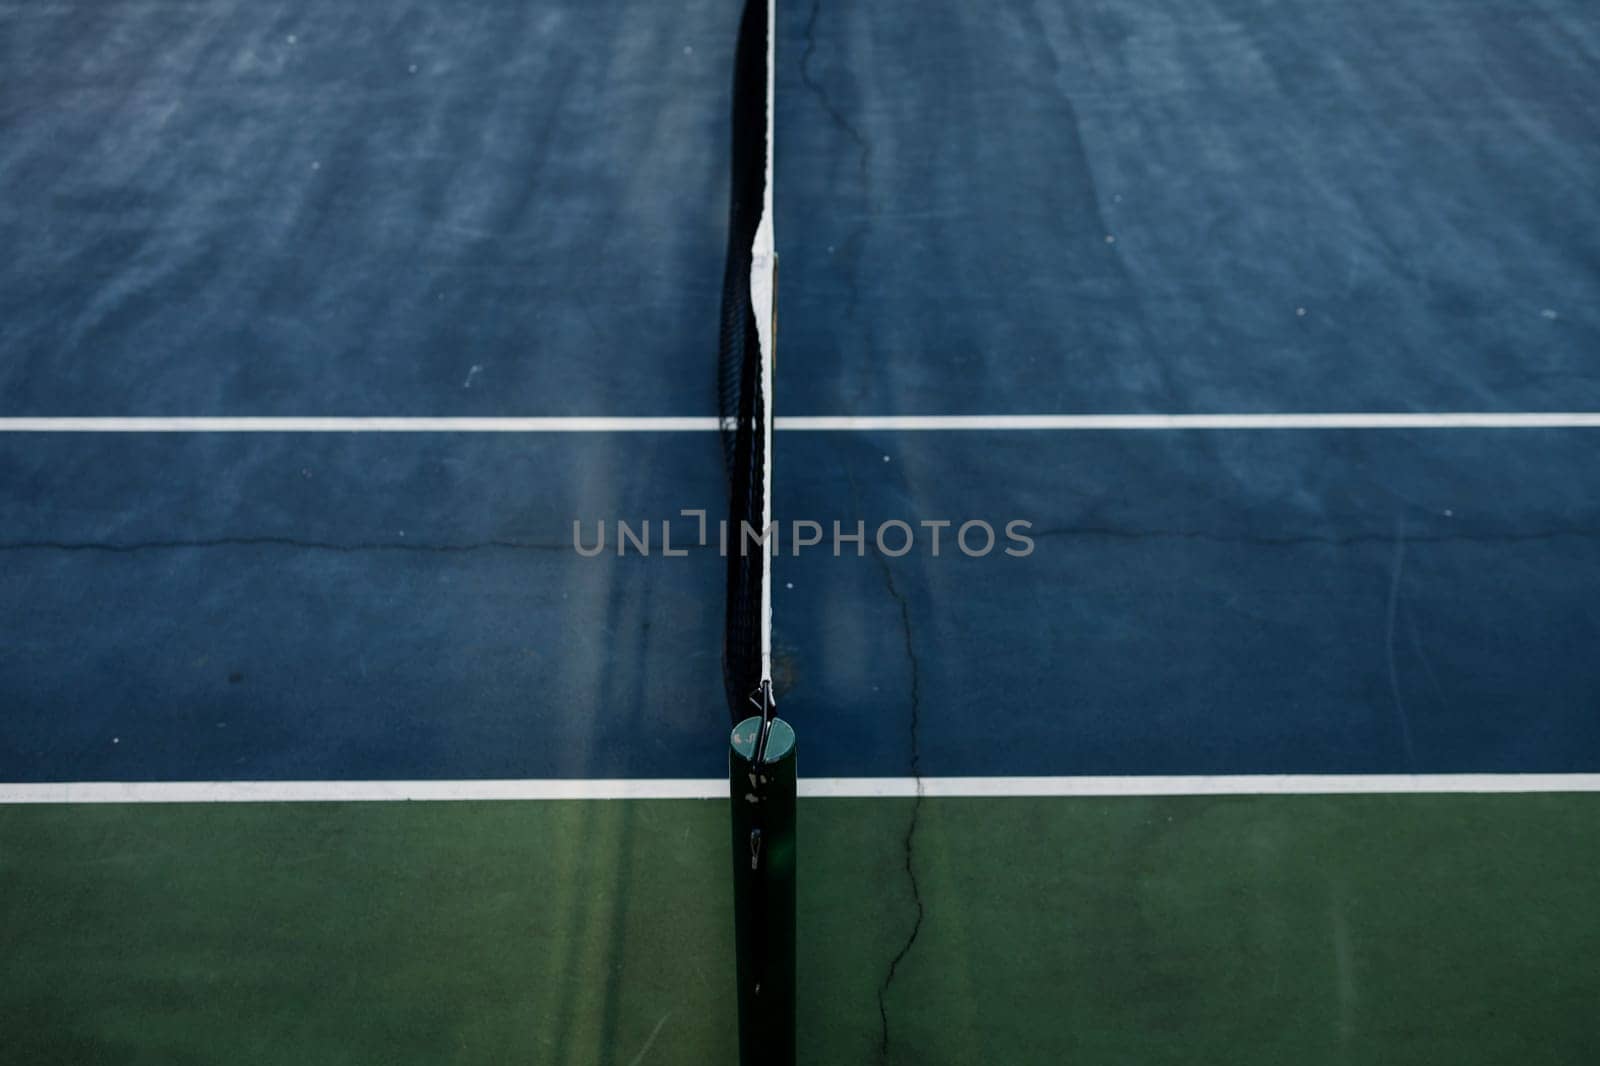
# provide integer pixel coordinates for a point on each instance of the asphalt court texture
(427, 209)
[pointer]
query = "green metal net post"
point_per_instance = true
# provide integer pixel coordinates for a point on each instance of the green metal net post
(763, 801)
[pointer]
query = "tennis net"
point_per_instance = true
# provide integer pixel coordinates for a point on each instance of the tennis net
(745, 372)
(761, 759)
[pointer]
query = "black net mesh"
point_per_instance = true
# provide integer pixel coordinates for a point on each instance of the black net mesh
(739, 368)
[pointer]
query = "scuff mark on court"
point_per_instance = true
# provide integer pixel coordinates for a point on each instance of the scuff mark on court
(916, 804)
(649, 1043)
(1392, 615)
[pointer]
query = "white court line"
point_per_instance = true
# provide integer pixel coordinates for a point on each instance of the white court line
(818, 423)
(358, 791)
(1456, 420)
(1199, 785)
(358, 425)
(810, 788)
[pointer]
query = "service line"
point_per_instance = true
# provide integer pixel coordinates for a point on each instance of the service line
(821, 423)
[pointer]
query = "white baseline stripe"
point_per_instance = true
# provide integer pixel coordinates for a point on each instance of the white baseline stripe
(816, 423)
(810, 788)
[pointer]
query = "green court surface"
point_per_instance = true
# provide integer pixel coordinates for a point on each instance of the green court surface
(1352, 929)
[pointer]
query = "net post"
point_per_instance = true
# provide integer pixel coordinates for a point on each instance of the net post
(763, 817)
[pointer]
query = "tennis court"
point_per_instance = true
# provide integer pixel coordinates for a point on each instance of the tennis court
(323, 325)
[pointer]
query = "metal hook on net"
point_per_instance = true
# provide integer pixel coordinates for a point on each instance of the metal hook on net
(762, 702)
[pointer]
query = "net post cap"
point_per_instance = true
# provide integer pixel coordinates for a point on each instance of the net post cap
(780, 743)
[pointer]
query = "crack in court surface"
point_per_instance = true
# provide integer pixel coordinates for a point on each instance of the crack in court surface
(129, 547)
(1064, 532)
(916, 804)
(858, 233)
(1297, 539)
(824, 100)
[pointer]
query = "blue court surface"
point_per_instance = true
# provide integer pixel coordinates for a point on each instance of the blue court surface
(235, 211)
(1264, 220)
